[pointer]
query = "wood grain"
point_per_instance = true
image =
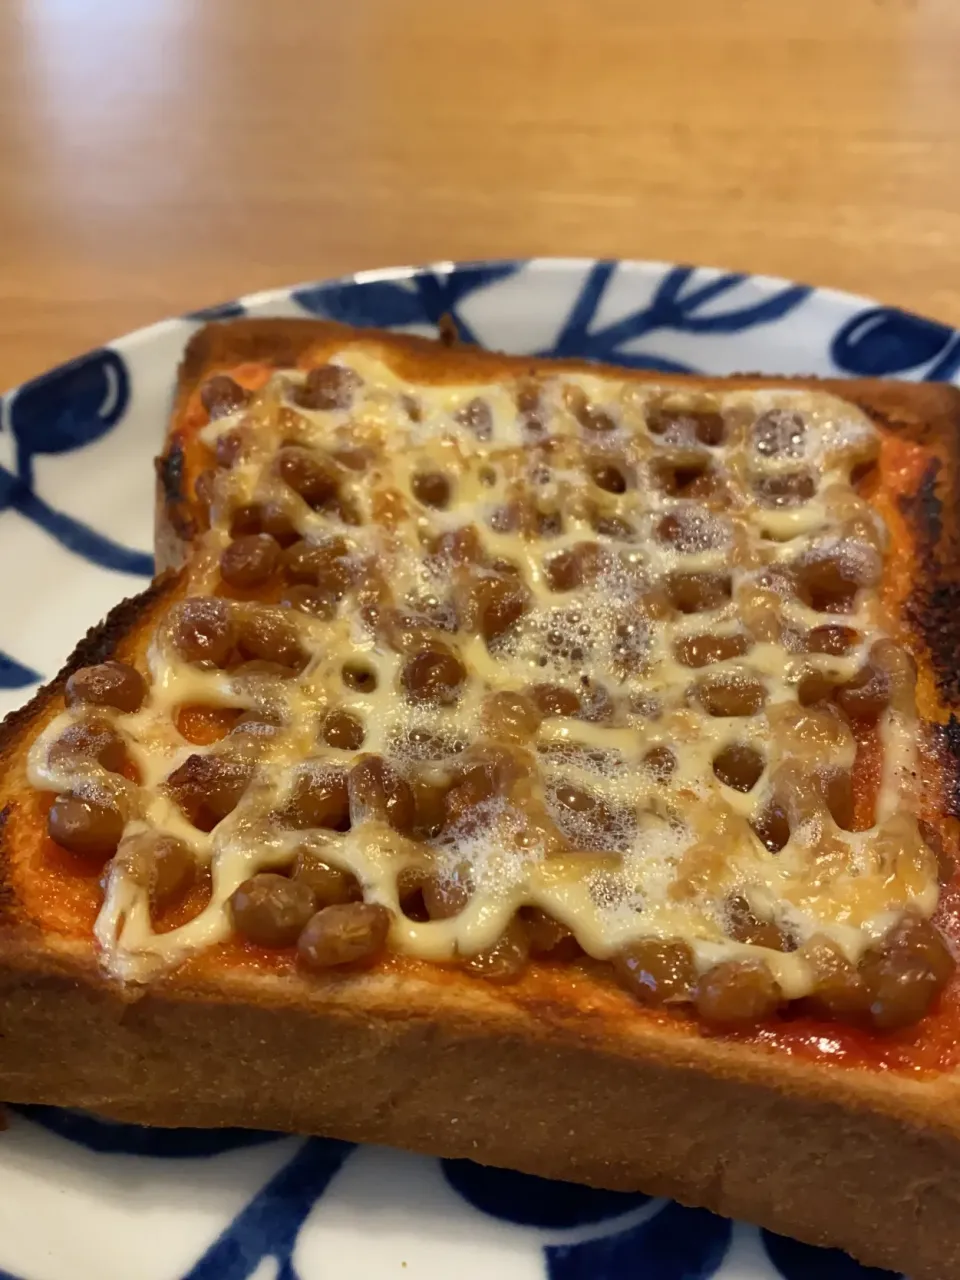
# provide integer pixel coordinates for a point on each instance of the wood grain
(166, 154)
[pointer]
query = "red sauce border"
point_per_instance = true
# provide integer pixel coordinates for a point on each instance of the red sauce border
(62, 893)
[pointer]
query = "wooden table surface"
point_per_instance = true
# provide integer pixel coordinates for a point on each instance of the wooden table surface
(161, 155)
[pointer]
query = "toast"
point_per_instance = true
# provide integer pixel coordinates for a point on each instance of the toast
(674, 911)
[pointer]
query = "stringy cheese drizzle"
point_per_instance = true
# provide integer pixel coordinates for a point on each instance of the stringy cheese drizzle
(661, 853)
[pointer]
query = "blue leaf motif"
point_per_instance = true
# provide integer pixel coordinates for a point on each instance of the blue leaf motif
(449, 287)
(763, 312)
(109, 1138)
(62, 411)
(574, 334)
(467, 277)
(389, 304)
(72, 534)
(68, 408)
(674, 1244)
(797, 1261)
(882, 341)
(221, 311)
(441, 292)
(382, 303)
(534, 1202)
(673, 297)
(676, 305)
(14, 675)
(947, 367)
(269, 1225)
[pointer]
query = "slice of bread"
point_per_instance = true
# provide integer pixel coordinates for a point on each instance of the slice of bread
(835, 1130)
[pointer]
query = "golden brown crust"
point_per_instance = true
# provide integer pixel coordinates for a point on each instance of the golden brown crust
(809, 1167)
(173, 523)
(552, 1077)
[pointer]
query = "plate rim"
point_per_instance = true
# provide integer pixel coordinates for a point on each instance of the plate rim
(141, 338)
(448, 266)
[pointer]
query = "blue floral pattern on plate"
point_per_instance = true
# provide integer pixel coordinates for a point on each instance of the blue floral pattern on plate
(881, 342)
(61, 412)
(663, 317)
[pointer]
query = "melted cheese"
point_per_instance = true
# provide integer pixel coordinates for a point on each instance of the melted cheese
(672, 852)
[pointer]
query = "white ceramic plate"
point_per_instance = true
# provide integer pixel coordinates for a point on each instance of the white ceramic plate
(84, 1199)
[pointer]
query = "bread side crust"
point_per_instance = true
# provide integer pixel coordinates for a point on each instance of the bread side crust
(560, 1075)
(812, 1168)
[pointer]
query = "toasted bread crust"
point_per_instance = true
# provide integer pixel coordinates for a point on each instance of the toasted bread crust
(551, 1076)
(808, 1167)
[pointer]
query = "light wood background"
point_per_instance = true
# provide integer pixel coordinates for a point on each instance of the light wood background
(160, 155)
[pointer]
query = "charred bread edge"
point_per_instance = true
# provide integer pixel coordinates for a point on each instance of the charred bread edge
(861, 1160)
